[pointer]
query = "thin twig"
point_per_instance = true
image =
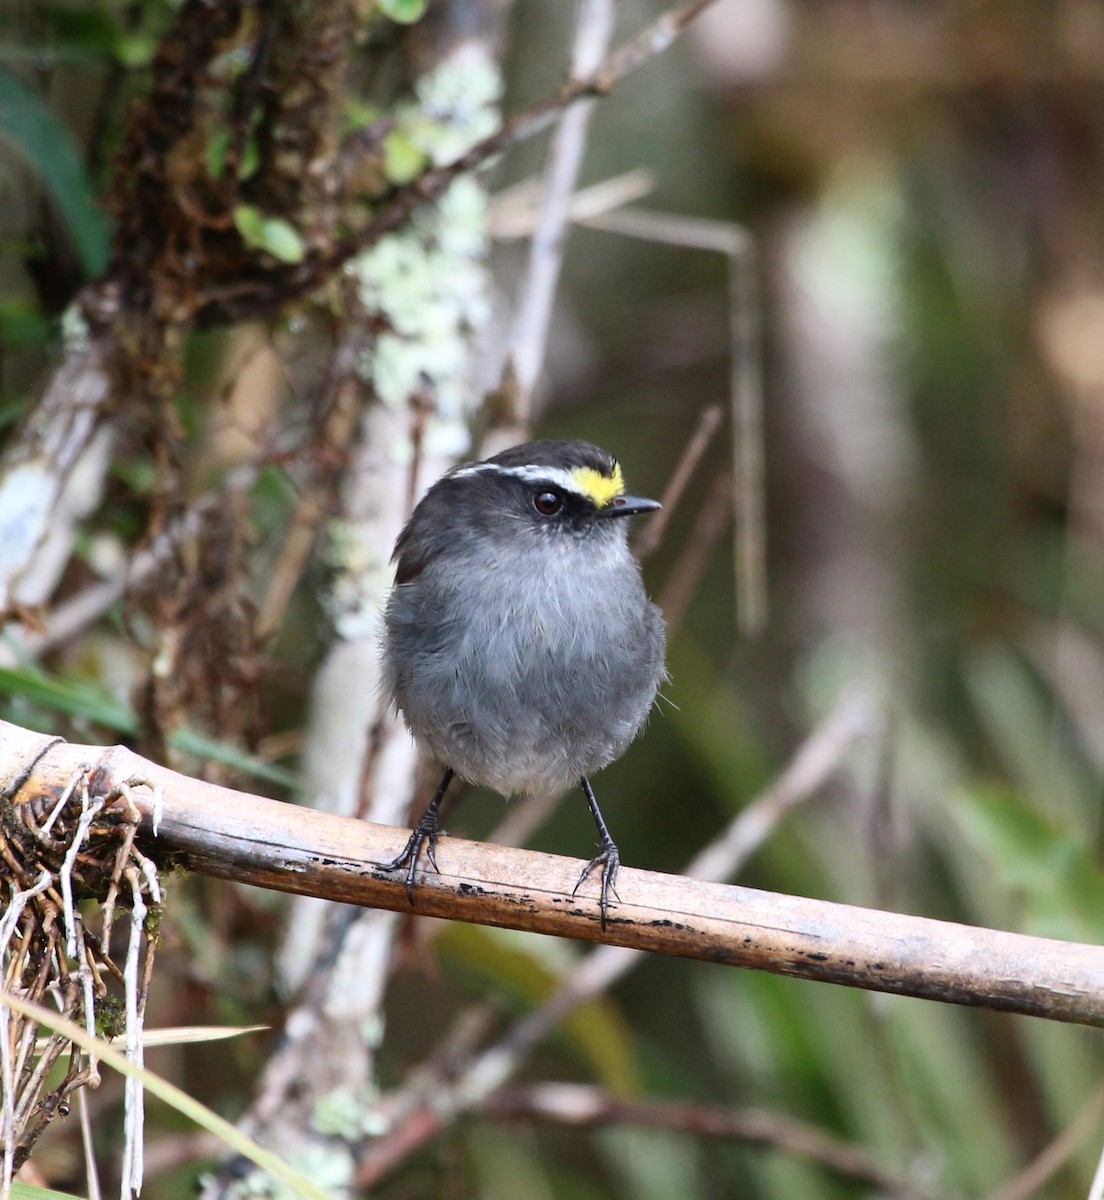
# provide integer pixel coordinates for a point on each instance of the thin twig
(133, 1108)
(692, 233)
(584, 1106)
(747, 430)
(526, 349)
(652, 533)
(16, 905)
(7, 1097)
(1054, 1156)
(816, 760)
(90, 809)
(91, 1174)
(87, 981)
(513, 212)
(63, 799)
(711, 521)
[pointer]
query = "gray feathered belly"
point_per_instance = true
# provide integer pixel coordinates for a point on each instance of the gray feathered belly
(527, 697)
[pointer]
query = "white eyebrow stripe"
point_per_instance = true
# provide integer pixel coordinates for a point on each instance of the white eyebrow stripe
(529, 473)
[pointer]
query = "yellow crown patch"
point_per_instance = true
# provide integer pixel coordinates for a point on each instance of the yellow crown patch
(600, 488)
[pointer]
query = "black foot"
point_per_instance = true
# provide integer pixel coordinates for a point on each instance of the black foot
(425, 834)
(609, 859)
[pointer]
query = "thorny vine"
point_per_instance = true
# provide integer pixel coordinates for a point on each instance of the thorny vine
(69, 862)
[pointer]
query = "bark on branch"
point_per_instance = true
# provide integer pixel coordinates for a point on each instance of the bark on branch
(250, 839)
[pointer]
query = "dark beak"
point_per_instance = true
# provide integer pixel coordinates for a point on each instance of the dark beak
(628, 506)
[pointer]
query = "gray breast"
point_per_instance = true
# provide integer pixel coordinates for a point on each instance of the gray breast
(547, 679)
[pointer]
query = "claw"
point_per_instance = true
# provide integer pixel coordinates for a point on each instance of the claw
(409, 857)
(423, 834)
(609, 859)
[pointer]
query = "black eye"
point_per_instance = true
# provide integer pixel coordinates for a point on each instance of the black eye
(548, 504)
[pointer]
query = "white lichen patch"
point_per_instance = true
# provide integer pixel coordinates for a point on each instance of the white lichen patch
(429, 290)
(361, 580)
(458, 105)
(429, 282)
(75, 331)
(331, 1167)
(338, 1114)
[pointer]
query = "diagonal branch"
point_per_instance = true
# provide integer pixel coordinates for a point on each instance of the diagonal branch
(585, 1107)
(278, 287)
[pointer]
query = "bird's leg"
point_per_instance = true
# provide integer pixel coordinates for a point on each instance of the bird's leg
(608, 857)
(424, 832)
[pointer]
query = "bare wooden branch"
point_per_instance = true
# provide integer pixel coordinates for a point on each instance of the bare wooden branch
(50, 475)
(251, 839)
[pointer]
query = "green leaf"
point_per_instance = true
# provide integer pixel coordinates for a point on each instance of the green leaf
(214, 155)
(26, 1191)
(22, 325)
(70, 696)
(359, 114)
(405, 12)
(190, 741)
(281, 239)
(1058, 874)
(44, 143)
(273, 234)
(135, 50)
(12, 409)
(214, 158)
(77, 698)
(402, 160)
(250, 159)
(250, 223)
(139, 474)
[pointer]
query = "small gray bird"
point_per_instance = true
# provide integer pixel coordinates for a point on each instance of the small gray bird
(520, 646)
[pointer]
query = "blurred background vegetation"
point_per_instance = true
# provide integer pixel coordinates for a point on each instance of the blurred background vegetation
(924, 186)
